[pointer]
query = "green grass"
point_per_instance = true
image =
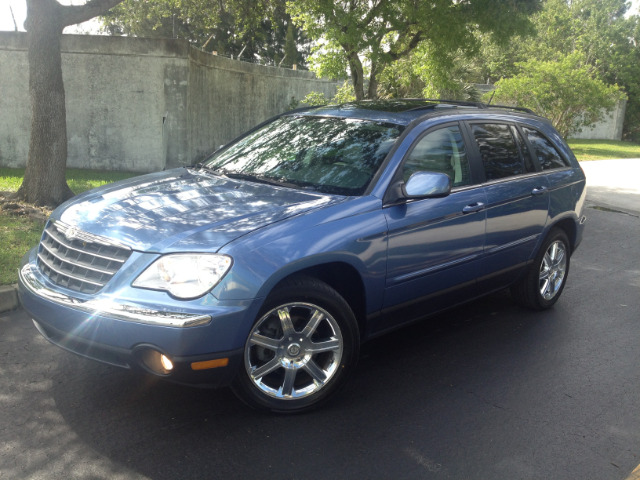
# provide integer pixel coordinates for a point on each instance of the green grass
(18, 233)
(79, 180)
(603, 149)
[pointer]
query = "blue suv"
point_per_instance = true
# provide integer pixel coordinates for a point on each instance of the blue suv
(266, 266)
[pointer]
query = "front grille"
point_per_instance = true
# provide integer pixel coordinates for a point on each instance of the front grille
(79, 260)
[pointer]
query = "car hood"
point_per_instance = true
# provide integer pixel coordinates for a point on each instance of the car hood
(184, 210)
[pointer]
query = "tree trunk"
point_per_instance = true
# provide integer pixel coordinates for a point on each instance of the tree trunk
(357, 74)
(44, 179)
(372, 91)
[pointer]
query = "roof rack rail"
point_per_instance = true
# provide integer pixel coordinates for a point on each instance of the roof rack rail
(460, 103)
(517, 109)
(439, 101)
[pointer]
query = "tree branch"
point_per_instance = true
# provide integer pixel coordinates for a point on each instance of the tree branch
(373, 13)
(413, 43)
(73, 14)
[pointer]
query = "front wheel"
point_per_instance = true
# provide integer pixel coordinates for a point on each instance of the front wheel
(544, 282)
(301, 349)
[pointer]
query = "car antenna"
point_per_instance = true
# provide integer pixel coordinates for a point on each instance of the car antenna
(491, 98)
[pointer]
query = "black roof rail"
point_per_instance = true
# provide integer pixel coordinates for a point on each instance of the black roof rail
(460, 103)
(517, 109)
(442, 102)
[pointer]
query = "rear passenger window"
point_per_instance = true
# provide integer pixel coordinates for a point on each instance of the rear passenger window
(547, 154)
(440, 151)
(498, 150)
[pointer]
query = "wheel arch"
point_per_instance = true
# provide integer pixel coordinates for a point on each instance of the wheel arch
(568, 226)
(344, 278)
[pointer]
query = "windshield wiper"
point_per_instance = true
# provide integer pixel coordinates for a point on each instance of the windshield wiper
(260, 179)
(205, 167)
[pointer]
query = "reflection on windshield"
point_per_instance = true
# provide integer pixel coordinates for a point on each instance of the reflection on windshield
(330, 155)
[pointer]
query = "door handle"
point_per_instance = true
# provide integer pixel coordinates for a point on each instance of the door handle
(474, 207)
(538, 190)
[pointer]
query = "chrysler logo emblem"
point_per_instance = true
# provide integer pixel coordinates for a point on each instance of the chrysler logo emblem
(71, 234)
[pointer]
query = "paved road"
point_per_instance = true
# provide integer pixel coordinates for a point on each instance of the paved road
(487, 391)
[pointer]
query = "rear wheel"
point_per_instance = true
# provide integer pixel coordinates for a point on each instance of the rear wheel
(301, 349)
(543, 284)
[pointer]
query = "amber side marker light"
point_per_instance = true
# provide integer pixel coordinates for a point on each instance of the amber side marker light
(219, 362)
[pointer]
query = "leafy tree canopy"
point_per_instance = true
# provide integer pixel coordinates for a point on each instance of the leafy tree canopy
(599, 32)
(367, 36)
(259, 31)
(566, 90)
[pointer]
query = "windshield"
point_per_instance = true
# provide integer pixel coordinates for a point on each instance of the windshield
(330, 155)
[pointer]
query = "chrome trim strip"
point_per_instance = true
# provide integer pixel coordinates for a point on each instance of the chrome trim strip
(89, 237)
(110, 308)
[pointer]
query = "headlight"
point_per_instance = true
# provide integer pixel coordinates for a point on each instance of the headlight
(185, 275)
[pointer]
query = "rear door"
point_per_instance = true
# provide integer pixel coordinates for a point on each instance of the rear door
(517, 201)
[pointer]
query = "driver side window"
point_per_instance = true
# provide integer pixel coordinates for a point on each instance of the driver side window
(441, 151)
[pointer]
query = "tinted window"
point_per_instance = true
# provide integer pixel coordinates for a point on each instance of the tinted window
(498, 150)
(332, 155)
(547, 154)
(440, 151)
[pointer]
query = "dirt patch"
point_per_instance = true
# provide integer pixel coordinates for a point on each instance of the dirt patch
(15, 208)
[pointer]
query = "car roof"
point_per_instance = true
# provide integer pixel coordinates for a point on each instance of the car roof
(403, 111)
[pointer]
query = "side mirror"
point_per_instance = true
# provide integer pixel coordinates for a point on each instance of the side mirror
(427, 185)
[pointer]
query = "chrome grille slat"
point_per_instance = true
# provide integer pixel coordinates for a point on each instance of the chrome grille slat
(67, 273)
(82, 264)
(63, 242)
(78, 260)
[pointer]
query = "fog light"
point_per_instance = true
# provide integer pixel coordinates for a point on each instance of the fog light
(155, 361)
(166, 362)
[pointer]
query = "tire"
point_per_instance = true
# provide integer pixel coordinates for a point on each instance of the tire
(301, 349)
(545, 280)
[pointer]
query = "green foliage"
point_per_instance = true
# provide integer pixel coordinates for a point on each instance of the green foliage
(344, 94)
(429, 73)
(328, 60)
(314, 99)
(567, 91)
(377, 34)
(599, 30)
(260, 31)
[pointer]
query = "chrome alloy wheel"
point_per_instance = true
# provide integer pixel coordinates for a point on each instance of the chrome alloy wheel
(553, 270)
(293, 351)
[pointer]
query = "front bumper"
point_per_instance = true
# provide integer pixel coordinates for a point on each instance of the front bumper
(205, 347)
(29, 278)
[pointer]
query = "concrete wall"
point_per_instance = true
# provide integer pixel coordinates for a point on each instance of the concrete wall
(143, 105)
(609, 128)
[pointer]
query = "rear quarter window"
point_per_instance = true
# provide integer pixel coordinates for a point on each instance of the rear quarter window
(548, 157)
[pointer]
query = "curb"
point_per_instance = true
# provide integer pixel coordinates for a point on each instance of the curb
(8, 298)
